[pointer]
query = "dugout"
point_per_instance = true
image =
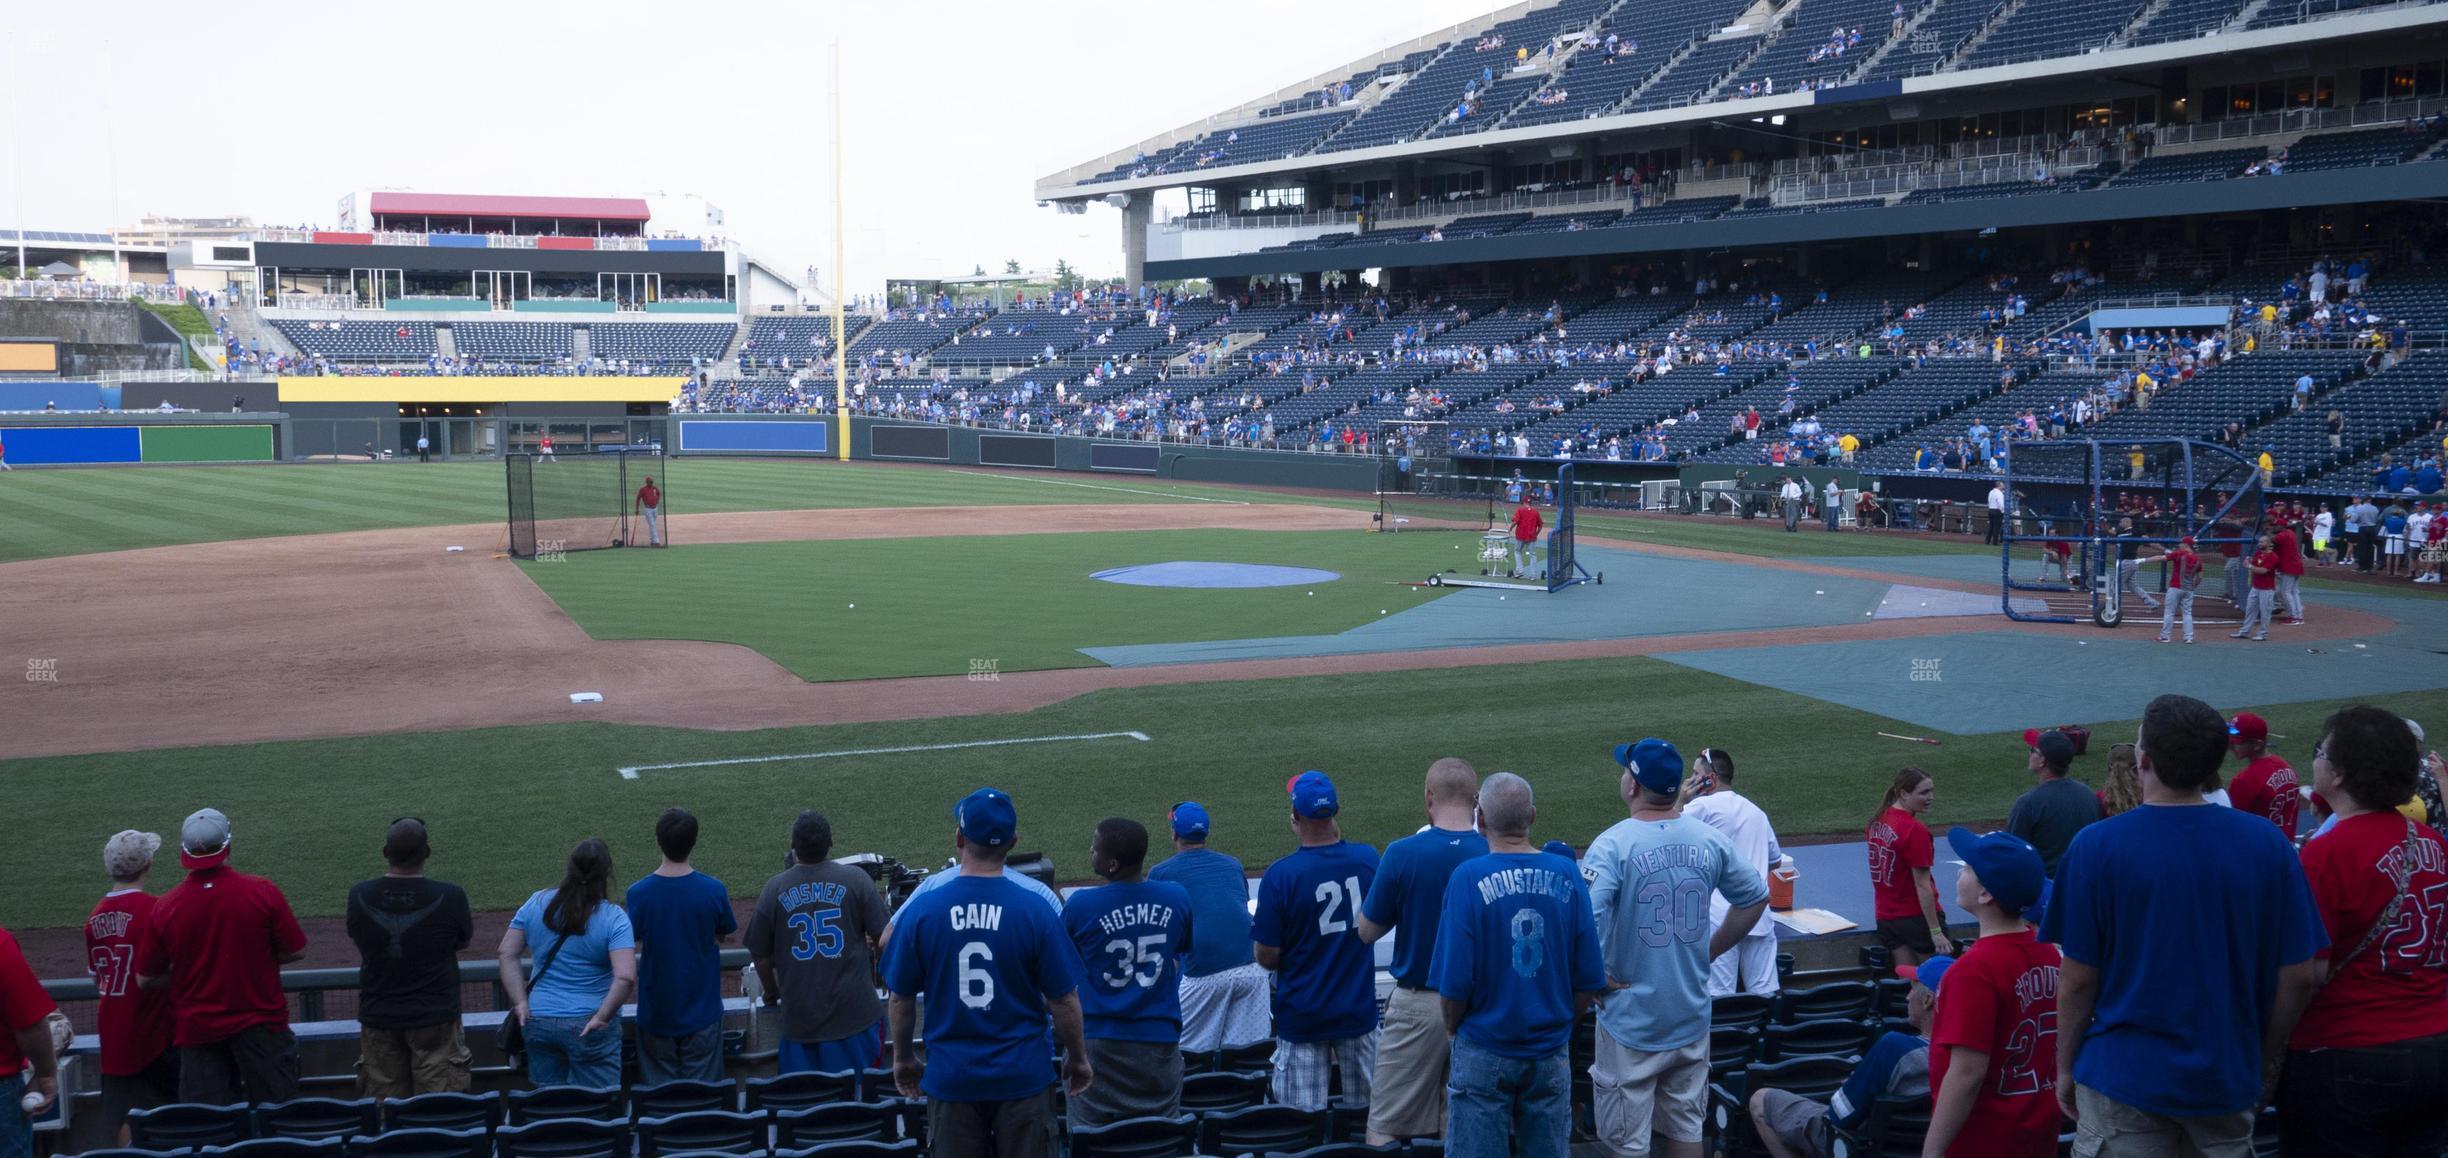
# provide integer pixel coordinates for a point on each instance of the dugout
(471, 416)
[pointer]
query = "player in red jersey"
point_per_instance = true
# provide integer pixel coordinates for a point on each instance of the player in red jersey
(1526, 527)
(1910, 923)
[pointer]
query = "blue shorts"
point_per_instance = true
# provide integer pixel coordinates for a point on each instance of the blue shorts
(859, 1051)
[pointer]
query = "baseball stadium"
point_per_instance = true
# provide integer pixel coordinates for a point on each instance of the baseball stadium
(1585, 372)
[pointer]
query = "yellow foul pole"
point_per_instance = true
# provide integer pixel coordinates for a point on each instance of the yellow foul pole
(841, 347)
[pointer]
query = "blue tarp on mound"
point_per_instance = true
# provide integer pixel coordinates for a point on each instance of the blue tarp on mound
(1183, 573)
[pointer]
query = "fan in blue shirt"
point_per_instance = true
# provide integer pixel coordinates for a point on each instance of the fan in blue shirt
(1307, 928)
(1129, 936)
(996, 967)
(1219, 896)
(1516, 961)
(1408, 895)
(680, 917)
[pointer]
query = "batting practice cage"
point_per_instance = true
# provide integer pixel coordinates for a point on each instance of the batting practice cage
(580, 502)
(2088, 522)
(1476, 511)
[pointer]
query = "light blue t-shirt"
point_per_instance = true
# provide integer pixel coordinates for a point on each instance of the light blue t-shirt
(581, 971)
(1649, 885)
(938, 880)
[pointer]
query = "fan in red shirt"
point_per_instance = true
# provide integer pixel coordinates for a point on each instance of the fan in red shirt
(218, 941)
(1993, 1039)
(138, 1070)
(2362, 1071)
(2267, 786)
(1910, 923)
(1526, 527)
(25, 1010)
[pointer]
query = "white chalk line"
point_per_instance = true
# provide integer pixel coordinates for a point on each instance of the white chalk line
(1055, 482)
(631, 772)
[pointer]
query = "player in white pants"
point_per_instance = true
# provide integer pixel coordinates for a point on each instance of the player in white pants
(1749, 967)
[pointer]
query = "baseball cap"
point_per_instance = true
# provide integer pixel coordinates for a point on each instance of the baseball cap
(2007, 866)
(2055, 747)
(204, 839)
(1313, 795)
(1929, 972)
(1190, 820)
(1653, 763)
(128, 852)
(2248, 728)
(1560, 849)
(986, 817)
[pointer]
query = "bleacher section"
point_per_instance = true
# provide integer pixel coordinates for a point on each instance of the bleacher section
(665, 343)
(2052, 28)
(1428, 94)
(1940, 34)
(1690, 78)
(2363, 149)
(511, 341)
(2185, 19)
(376, 341)
(2187, 168)
(1808, 33)
(798, 337)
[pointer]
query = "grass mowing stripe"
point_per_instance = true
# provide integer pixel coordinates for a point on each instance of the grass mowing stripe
(505, 804)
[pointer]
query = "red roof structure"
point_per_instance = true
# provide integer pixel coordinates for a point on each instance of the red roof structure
(472, 205)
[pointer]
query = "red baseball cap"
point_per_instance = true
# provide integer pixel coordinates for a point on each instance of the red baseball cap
(2248, 728)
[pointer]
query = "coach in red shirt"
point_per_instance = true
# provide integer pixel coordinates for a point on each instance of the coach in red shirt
(2365, 1066)
(138, 1070)
(1526, 527)
(218, 941)
(25, 1010)
(2288, 542)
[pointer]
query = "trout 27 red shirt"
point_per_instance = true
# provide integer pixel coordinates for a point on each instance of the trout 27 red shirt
(135, 1022)
(2396, 990)
(219, 936)
(2001, 998)
(23, 1004)
(1898, 845)
(2267, 787)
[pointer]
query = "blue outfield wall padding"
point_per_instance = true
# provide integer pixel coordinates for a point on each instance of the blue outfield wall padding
(65, 395)
(673, 245)
(701, 436)
(31, 445)
(454, 241)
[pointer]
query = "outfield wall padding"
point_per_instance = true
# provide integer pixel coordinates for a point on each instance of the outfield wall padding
(721, 436)
(53, 445)
(206, 443)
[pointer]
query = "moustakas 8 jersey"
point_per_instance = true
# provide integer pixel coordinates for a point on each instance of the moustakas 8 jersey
(1309, 908)
(988, 955)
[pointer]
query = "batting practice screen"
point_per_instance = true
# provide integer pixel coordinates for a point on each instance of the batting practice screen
(579, 502)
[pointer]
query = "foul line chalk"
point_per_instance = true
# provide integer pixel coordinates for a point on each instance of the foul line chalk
(631, 772)
(1055, 482)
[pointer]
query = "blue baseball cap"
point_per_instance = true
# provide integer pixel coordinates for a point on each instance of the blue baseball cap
(1560, 849)
(2007, 866)
(1653, 762)
(1928, 973)
(1190, 820)
(1313, 795)
(986, 817)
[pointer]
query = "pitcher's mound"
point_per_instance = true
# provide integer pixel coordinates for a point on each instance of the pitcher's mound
(1183, 573)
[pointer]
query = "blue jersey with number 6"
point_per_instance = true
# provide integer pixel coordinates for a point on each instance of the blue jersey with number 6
(1516, 943)
(1649, 883)
(988, 955)
(1309, 907)
(1129, 937)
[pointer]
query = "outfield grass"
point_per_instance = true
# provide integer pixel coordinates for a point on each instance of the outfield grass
(45, 513)
(875, 608)
(506, 804)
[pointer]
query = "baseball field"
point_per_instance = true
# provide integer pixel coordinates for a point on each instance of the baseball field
(299, 647)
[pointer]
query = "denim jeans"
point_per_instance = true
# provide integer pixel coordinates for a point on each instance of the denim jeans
(16, 1130)
(696, 1057)
(558, 1056)
(2378, 1100)
(1495, 1104)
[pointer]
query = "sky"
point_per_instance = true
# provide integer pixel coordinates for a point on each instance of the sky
(952, 109)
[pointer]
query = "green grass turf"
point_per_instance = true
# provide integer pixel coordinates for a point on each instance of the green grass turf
(45, 513)
(506, 804)
(931, 606)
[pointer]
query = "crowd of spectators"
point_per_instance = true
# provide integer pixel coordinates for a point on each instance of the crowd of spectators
(2066, 993)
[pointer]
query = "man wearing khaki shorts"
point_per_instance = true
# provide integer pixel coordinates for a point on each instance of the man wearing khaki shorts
(1649, 879)
(1407, 1088)
(409, 929)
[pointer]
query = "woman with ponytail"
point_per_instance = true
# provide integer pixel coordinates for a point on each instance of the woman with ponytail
(585, 967)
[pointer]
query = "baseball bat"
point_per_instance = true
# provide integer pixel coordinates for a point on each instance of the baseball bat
(1914, 739)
